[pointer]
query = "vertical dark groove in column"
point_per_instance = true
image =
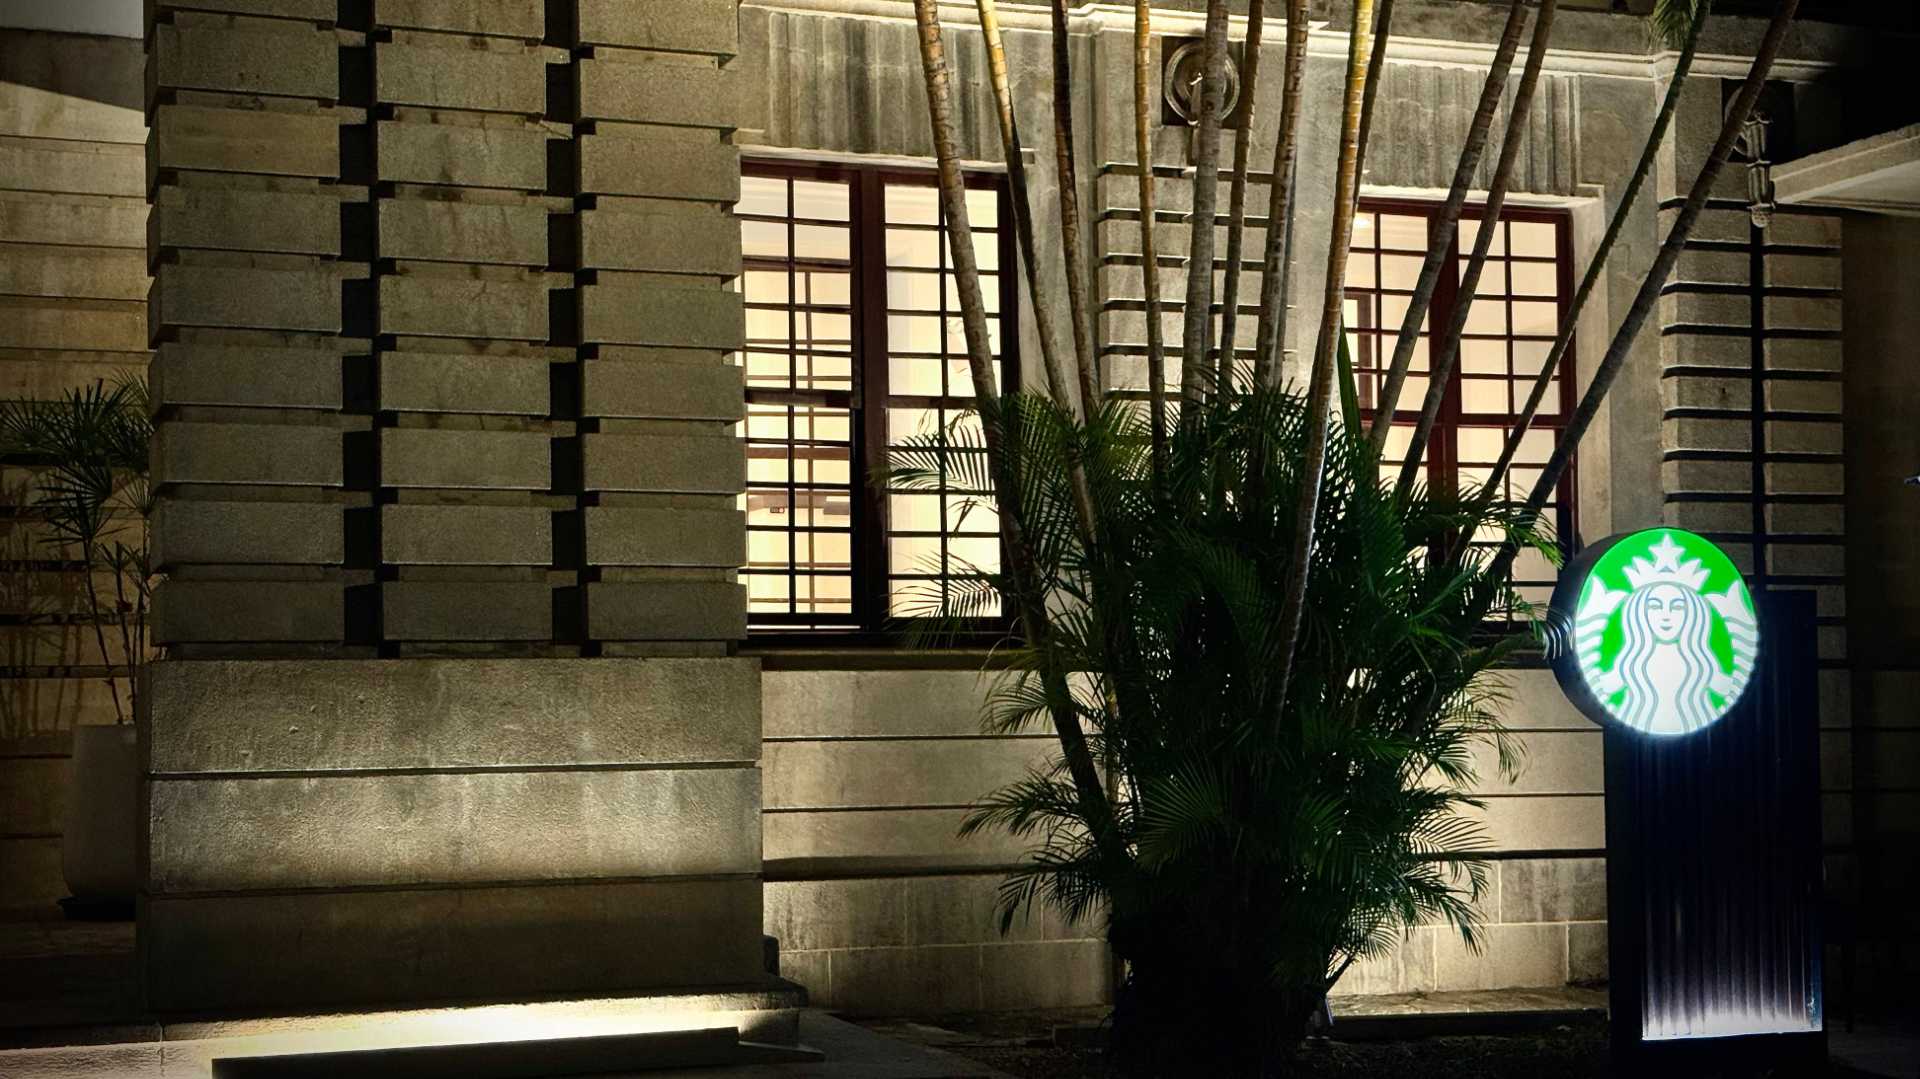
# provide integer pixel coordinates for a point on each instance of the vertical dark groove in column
(1757, 406)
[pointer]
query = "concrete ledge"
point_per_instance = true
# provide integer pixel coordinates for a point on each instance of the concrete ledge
(367, 947)
(351, 831)
(247, 533)
(524, 20)
(666, 164)
(467, 611)
(291, 715)
(660, 89)
(698, 26)
(425, 153)
(233, 612)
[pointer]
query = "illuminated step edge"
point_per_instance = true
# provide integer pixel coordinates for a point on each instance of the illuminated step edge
(531, 1059)
(761, 1020)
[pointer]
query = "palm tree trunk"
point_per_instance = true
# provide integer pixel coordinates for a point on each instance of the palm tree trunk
(1448, 352)
(1628, 196)
(1059, 383)
(1237, 201)
(1069, 181)
(1149, 248)
(1445, 221)
(1320, 387)
(1027, 601)
(1382, 24)
(1649, 295)
(1206, 199)
(1270, 339)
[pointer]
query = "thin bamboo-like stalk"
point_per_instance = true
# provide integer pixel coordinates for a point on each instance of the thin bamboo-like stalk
(1237, 200)
(1447, 354)
(1382, 26)
(1270, 339)
(1079, 305)
(1149, 226)
(1628, 196)
(1198, 328)
(1320, 387)
(1445, 221)
(1059, 383)
(1648, 297)
(1028, 603)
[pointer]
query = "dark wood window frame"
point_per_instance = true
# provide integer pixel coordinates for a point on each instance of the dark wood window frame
(1443, 456)
(869, 398)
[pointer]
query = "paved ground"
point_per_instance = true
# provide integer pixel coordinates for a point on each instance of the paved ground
(79, 976)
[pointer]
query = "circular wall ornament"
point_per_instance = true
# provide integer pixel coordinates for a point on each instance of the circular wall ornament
(1185, 69)
(1656, 632)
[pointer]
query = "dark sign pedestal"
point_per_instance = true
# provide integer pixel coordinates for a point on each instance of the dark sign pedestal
(1714, 872)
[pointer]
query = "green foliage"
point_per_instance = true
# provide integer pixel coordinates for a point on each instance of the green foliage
(1272, 839)
(89, 448)
(1671, 21)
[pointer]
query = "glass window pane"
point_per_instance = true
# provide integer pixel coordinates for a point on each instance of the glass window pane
(1487, 317)
(823, 201)
(1534, 239)
(1470, 234)
(913, 205)
(1399, 232)
(1400, 271)
(1535, 278)
(1483, 357)
(1532, 317)
(763, 195)
(763, 239)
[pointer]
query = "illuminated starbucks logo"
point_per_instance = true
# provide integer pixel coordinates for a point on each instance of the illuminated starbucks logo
(1662, 632)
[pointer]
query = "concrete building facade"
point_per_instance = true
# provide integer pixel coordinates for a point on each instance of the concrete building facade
(446, 335)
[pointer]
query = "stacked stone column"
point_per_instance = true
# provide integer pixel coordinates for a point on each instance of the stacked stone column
(448, 509)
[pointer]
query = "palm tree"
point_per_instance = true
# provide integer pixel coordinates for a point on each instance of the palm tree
(1268, 838)
(1068, 182)
(95, 500)
(1237, 200)
(1198, 324)
(1149, 220)
(1271, 336)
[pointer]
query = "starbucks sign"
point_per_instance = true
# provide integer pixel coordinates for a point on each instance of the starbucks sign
(1655, 631)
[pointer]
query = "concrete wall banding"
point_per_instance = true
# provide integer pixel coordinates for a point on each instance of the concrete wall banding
(448, 505)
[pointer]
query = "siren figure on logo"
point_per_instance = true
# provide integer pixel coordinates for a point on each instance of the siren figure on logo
(1668, 671)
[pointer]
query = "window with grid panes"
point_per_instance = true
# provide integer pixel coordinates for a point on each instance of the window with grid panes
(1515, 314)
(854, 342)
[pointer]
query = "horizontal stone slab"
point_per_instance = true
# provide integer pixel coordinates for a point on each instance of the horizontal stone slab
(240, 140)
(882, 841)
(228, 220)
(671, 317)
(914, 772)
(75, 168)
(320, 11)
(666, 611)
(93, 273)
(710, 391)
(247, 533)
(448, 943)
(697, 26)
(193, 374)
(413, 535)
(281, 61)
(521, 19)
(672, 237)
(341, 715)
(426, 153)
(42, 218)
(829, 703)
(249, 298)
(258, 454)
(247, 612)
(687, 464)
(238, 834)
(442, 382)
(656, 89)
(505, 79)
(33, 322)
(476, 460)
(629, 536)
(473, 307)
(665, 164)
(442, 231)
(466, 611)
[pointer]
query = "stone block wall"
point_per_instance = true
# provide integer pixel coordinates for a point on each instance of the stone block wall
(73, 285)
(1752, 395)
(442, 315)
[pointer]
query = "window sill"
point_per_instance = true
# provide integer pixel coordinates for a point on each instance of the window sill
(869, 652)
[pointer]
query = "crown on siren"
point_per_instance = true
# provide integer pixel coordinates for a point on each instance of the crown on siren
(1667, 567)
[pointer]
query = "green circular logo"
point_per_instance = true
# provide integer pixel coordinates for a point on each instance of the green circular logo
(1660, 632)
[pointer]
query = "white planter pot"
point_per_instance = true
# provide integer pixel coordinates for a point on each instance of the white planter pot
(100, 845)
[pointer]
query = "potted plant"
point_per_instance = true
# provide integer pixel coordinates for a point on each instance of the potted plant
(90, 450)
